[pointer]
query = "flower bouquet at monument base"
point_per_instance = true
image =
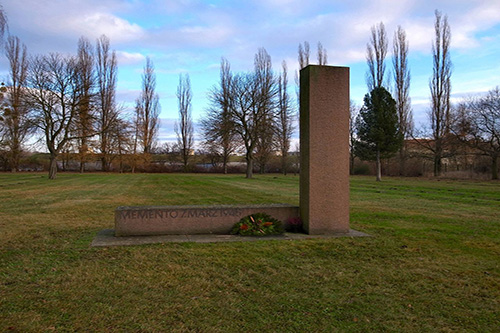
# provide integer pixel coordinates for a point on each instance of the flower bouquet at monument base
(258, 224)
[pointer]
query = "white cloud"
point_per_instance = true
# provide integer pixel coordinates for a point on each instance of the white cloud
(96, 24)
(129, 58)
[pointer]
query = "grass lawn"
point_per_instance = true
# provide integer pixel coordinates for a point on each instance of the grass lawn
(432, 265)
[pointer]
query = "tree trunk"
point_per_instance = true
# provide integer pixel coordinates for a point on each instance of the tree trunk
(15, 157)
(402, 160)
(494, 167)
(104, 167)
(64, 161)
(53, 167)
(16, 152)
(437, 159)
(249, 172)
(284, 164)
(351, 164)
(379, 167)
(437, 165)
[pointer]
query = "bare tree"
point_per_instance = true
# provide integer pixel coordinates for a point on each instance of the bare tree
(244, 114)
(253, 98)
(303, 59)
(284, 119)
(217, 125)
(16, 120)
(440, 86)
(264, 95)
(304, 54)
(106, 72)
(54, 99)
(322, 55)
(376, 51)
(479, 126)
(353, 115)
(265, 143)
(136, 127)
(3, 22)
(121, 141)
(84, 119)
(184, 128)
(148, 107)
(402, 91)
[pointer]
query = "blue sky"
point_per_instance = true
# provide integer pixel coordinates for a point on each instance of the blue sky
(189, 36)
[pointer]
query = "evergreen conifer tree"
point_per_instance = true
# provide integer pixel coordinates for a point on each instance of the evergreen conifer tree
(378, 133)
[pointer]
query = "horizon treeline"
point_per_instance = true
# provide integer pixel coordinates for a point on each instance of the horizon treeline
(68, 104)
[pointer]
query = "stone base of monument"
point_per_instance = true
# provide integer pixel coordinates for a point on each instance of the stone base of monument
(192, 220)
(107, 238)
(201, 224)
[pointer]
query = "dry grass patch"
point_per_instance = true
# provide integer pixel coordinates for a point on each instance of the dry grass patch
(432, 266)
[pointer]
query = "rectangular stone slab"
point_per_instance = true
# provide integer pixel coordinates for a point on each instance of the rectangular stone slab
(324, 149)
(190, 220)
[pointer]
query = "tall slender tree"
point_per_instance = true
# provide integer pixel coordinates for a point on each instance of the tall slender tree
(401, 72)
(264, 98)
(16, 120)
(107, 113)
(3, 22)
(322, 55)
(284, 119)
(440, 86)
(303, 59)
(304, 54)
(353, 114)
(3, 90)
(85, 116)
(376, 51)
(184, 128)
(148, 109)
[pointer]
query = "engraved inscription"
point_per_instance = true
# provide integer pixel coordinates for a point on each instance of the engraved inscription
(180, 213)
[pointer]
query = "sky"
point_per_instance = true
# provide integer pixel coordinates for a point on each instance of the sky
(191, 36)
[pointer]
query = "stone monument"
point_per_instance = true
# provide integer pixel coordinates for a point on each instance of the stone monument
(324, 174)
(324, 149)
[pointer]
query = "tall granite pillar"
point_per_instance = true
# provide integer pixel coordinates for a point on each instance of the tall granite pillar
(324, 149)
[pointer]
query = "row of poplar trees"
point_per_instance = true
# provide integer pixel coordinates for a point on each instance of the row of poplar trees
(384, 125)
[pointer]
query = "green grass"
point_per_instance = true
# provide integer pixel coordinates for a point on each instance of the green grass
(432, 265)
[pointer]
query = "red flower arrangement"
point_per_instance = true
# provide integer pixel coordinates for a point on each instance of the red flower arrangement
(258, 224)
